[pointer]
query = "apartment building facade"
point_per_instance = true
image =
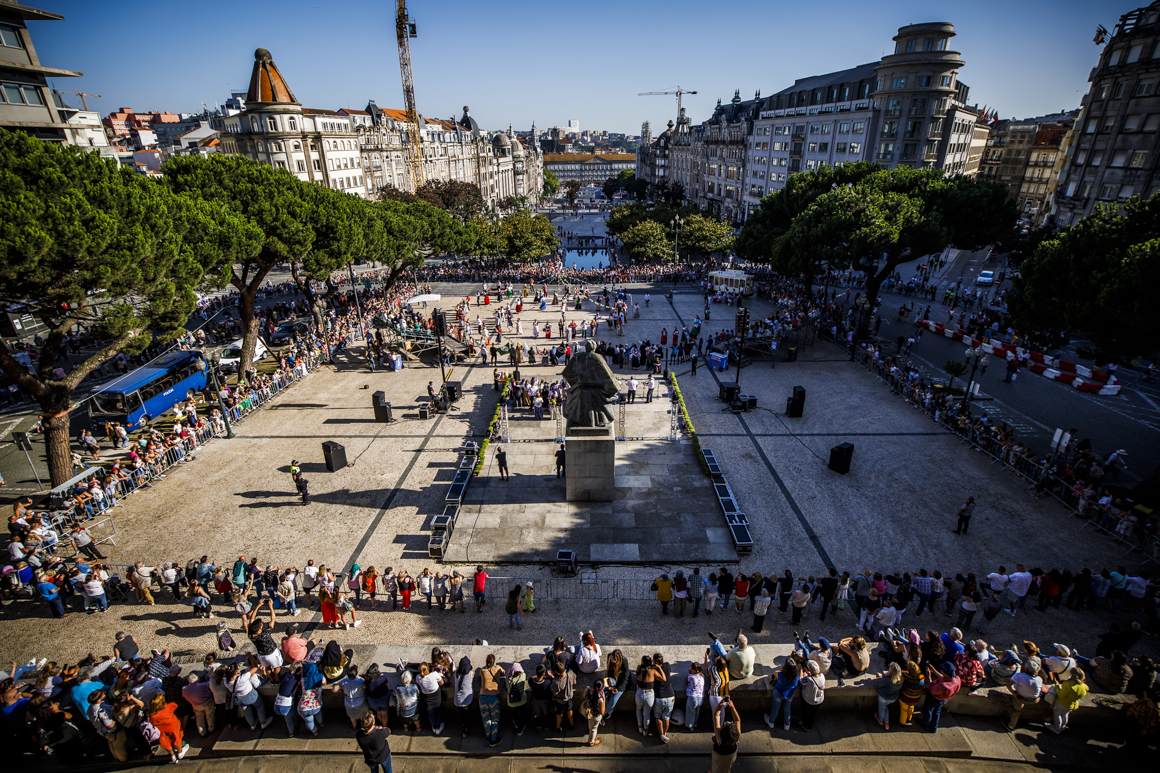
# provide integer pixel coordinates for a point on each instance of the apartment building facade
(361, 151)
(1115, 151)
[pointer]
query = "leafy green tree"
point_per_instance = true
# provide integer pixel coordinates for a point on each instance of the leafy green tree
(276, 202)
(873, 220)
(624, 178)
(648, 240)
(610, 188)
(638, 188)
(571, 191)
(338, 223)
(524, 236)
(1020, 246)
(461, 199)
(702, 235)
(86, 243)
(760, 238)
(954, 369)
(1099, 278)
(624, 217)
(551, 183)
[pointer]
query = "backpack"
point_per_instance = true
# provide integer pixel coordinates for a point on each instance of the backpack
(562, 688)
(149, 731)
(517, 693)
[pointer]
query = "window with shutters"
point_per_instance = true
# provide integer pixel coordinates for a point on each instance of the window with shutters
(1138, 158)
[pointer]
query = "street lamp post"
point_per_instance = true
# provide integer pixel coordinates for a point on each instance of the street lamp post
(213, 369)
(676, 224)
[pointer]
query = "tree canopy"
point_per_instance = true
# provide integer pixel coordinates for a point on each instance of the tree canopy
(648, 240)
(462, 200)
(571, 191)
(702, 235)
(83, 241)
(863, 217)
(1097, 278)
(551, 183)
(518, 236)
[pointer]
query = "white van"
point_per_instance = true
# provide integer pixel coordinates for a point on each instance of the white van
(232, 355)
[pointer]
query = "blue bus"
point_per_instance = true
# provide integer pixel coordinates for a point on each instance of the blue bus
(151, 389)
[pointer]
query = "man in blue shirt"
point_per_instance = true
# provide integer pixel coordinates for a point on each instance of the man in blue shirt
(51, 595)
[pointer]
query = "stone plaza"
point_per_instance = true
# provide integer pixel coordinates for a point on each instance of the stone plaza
(894, 510)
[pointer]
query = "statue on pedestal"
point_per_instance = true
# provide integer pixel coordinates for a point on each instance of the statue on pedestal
(592, 387)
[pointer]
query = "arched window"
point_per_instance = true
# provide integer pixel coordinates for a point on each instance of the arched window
(293, 124)
(298, 146)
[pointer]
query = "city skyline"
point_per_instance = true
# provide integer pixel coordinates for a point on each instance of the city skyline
(509, 68)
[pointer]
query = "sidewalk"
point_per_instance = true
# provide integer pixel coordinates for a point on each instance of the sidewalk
(840, 742)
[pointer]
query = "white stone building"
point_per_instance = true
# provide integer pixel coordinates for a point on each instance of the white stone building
(361, 151)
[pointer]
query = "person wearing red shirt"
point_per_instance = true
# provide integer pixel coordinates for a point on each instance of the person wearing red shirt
(162, 717)
(480, 588)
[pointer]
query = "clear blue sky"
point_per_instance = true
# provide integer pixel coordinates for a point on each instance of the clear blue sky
(518, 60)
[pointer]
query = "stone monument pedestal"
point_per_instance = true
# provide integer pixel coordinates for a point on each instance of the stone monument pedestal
(591, 464)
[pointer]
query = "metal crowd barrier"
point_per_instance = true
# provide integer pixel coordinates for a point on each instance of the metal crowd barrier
(1036, 473)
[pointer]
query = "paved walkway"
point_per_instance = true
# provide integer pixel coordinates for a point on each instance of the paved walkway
(840, 743)
(664, 512)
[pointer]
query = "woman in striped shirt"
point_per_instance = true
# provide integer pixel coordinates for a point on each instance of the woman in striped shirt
(913, 691)
(717, 674)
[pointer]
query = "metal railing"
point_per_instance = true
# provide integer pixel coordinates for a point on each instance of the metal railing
(917, 387)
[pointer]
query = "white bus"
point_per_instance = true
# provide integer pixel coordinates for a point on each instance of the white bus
(735, 281)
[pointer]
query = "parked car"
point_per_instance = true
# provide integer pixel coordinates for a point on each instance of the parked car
(985, 278)
(232, 355)
(285, 332)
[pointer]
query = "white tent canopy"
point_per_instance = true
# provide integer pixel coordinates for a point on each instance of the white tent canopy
(424, 298)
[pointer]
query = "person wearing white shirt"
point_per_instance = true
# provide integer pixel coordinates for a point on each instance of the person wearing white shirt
(999, 580)
(1025, 688)
(587, 660)
(1018, 583)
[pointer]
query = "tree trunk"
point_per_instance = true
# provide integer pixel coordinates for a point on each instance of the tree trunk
(55, 404)
(248, 294)
(313, 302)
(873, 285)
(249, 328)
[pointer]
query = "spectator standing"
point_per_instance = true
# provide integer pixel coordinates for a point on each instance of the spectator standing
(782, 695)
(663, 587)
(942, 684)
(761, 609)
(372, 739)
(964, 514)
(1067, 698)
(889, 687)
(726, 734)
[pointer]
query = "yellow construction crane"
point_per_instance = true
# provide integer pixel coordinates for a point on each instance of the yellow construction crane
(404, 30)
(679, 92)
(82, 95)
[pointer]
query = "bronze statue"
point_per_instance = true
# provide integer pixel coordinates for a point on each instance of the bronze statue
(592, 387)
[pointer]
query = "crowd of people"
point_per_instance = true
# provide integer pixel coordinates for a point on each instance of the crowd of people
(137, 702)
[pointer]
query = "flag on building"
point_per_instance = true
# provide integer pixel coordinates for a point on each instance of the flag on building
(1101, 34)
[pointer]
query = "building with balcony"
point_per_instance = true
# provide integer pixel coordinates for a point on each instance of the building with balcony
(1027, 156)
(909, 109)
(27, 103)
(1113, 154)
(362, 151)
